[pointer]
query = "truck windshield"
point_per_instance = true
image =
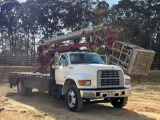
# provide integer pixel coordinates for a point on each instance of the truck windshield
(83, 58)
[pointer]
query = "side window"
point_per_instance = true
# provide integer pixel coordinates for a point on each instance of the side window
(63, 60)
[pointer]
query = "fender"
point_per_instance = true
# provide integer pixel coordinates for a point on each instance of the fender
(82, 76)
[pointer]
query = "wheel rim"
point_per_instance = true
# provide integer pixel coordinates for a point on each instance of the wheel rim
(71, 98)
(119, 100)
(19, 86)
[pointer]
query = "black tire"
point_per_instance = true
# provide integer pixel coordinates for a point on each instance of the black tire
(106, 100)
(29, 90)
(73, 99)
(119, 102)
(22, 90)
(62, 97)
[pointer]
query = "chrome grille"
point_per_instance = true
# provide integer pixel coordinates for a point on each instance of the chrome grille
(109, 78)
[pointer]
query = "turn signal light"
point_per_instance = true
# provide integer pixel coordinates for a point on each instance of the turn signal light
(84, 82)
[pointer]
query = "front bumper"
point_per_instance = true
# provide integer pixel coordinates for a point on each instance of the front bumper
(95, 94)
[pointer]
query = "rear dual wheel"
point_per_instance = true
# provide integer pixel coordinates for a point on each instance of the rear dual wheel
(23, 90)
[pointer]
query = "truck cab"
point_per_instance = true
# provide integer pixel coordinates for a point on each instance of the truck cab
(85, 76)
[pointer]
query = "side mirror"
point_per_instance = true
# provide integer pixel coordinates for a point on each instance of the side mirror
(54, 66)
(56, 58)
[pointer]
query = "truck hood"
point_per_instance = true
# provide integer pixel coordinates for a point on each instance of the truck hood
(95, 67)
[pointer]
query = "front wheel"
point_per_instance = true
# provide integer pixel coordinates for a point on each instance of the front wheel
(119, 102)
(73, 99)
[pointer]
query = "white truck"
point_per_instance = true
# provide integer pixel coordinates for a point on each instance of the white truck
(80, 77)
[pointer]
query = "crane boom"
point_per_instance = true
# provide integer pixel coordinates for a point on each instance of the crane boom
(73, 35)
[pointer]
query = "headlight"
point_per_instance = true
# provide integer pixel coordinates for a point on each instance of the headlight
(127, 81)
(84, 82)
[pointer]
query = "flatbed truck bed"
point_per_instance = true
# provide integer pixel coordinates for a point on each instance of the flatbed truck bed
(30, 79)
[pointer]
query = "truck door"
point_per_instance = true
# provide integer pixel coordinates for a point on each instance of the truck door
(62, 69)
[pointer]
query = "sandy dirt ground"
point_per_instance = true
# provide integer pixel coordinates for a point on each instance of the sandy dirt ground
(143, 104)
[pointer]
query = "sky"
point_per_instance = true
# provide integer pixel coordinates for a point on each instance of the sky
(111, 2)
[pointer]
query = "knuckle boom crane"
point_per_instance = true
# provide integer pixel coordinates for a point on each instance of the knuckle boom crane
(133, 59)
